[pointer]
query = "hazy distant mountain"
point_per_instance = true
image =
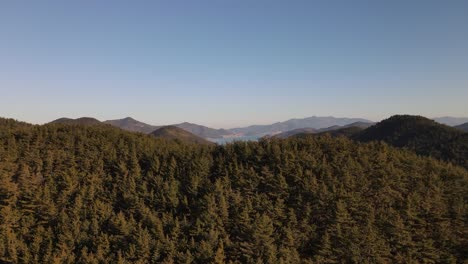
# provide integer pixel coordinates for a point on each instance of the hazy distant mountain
(347, 130)
(77, 121)
(360, 124)
(422, 135)
(451, 121)
(131, 124)
(203, 131)
(173, 132)
(315, 122)
(463, 127)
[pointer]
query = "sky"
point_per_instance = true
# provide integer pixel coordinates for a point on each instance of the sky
(229, 63)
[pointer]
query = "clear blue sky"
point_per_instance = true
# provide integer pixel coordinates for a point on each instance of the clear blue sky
(227, 63)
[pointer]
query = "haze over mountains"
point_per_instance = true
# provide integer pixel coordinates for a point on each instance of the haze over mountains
(346, 129)
(315, 122)
(311, 125)
(451, 121)
(419, 134)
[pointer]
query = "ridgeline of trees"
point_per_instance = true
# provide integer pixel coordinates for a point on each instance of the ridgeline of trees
(422, 135)
(96, 194)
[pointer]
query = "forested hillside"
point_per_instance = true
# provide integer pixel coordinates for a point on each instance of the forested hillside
(424, 136)
(97, 194)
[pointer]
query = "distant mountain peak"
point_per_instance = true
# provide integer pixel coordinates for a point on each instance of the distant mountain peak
(203, 131)
(346, 130)
(314, 122)
(130, 124)
(451, 121)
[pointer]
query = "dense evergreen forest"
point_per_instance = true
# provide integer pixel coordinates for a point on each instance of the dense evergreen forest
(97, 194)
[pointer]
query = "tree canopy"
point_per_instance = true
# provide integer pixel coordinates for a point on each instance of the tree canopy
(97, 194)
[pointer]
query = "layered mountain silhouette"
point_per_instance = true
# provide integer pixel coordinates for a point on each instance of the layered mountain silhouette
(416, 133)
(422, 135)
(203, 131)
(294, 132)
(463, 127)
(451, 121)
(362, 125)
(315, 122)
(346, 130)
(173, 132)
(133, 125)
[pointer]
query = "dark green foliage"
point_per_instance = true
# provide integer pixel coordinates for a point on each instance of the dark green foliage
(96, 194)
(424, 136)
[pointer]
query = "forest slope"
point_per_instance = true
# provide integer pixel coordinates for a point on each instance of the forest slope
(424, 136)
(97, 194)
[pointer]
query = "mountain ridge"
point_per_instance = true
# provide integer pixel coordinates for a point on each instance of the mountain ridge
(345, 130)
(133, 125)
(315, 122)
(450, 120)
(298, 125)
(422, 135)
(177, 133)
(463, 127)
(203, 131)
